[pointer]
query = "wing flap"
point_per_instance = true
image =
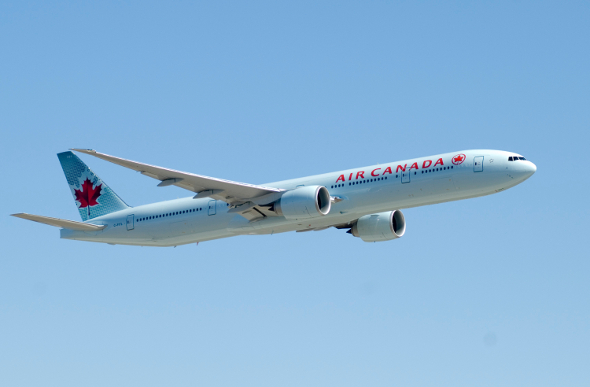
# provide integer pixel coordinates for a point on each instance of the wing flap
(63, 223)
(226, 190)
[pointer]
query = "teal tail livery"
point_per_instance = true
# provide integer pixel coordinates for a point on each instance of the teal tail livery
(365, 201)
(92, 196)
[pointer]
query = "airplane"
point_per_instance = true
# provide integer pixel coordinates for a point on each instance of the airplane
(366, 201)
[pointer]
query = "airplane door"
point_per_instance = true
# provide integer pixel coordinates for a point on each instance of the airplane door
(478, 164)
(130, 222)
(405, 177)
(212, 206)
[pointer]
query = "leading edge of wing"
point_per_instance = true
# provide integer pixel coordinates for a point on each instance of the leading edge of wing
(204, 186)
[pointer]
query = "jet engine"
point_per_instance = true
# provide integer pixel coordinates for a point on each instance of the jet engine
(383, 226)
(304, 203)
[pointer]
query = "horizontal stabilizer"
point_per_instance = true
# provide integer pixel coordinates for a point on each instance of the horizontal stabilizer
(63, 223)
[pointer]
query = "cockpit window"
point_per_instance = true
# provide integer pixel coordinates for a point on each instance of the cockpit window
(515, 158)
(521, 158)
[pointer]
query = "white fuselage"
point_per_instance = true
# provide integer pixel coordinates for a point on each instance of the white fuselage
(369, 190)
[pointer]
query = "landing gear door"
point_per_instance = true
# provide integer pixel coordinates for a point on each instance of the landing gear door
(478, 164)
(130, 222)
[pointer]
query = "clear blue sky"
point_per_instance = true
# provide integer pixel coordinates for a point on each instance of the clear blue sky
(492, 291)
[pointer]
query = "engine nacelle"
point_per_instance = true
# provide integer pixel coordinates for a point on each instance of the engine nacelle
(383, 226)
(304, 203)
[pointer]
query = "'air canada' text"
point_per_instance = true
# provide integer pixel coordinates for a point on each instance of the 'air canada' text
(381, 172)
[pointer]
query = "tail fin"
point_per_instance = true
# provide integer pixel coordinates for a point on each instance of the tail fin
(93, 197)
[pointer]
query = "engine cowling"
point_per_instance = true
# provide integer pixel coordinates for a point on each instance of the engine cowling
(304, 203)
(383, 226)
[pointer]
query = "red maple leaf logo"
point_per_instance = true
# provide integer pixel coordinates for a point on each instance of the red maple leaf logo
(87, 195)
(458, 159)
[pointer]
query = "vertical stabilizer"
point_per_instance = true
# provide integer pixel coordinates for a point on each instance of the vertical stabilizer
(93, 197)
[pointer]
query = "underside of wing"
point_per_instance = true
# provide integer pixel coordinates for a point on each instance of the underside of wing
(231, 192)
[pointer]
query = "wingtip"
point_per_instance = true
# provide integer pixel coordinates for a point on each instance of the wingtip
(83, 150)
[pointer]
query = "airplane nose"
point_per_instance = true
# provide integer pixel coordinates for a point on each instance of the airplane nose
(533, 168)
(528, 169)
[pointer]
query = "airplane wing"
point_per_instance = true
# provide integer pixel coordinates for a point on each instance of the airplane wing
(63, 223)
(225, 190)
